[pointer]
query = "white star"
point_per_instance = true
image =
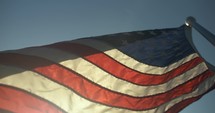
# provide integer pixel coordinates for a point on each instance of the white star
(175, 33)
(152, 32)
(140, 33)
(164, 33)
(124, 42)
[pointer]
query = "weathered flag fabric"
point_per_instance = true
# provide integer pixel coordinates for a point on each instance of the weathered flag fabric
(152, 71)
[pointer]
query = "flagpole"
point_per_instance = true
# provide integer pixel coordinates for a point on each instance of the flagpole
(191, 22)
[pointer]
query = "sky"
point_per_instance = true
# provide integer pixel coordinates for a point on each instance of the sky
(27, 23)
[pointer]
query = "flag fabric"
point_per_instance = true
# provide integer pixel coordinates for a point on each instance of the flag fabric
(151, 71)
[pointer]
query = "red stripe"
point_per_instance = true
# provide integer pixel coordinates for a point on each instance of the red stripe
(21, 102)
(181, 105)
(121, 71)
(178, 107)
(96, 93)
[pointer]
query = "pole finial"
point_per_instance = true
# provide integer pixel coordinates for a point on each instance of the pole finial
(190, 20)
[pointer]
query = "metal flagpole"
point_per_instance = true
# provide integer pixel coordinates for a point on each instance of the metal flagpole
(191, 22)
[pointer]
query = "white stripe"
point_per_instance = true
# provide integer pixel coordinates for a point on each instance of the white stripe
(202, 88)
(71, 102)
(106, 80)
(129, 61)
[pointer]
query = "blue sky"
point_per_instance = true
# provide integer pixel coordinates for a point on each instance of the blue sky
(26, 23)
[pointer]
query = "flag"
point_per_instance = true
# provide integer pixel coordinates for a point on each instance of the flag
(150, 71)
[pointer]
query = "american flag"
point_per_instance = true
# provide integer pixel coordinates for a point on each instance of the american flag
(151, 71)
